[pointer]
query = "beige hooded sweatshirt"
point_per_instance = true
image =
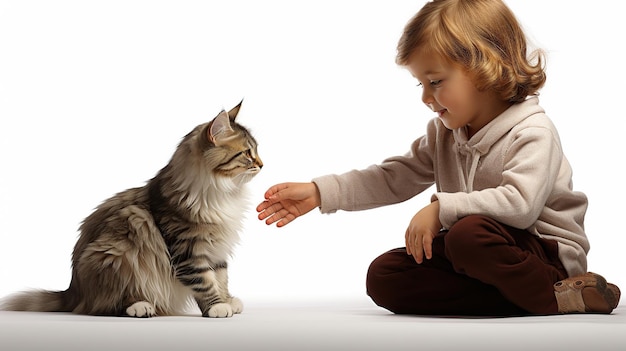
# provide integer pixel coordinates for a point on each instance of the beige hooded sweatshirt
(512, 170)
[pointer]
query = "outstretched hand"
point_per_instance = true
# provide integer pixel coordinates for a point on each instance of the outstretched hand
(288, 201)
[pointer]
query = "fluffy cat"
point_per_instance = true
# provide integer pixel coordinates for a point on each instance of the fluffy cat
(152, 250)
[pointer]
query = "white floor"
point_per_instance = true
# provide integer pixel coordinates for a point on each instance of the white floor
(312, 325)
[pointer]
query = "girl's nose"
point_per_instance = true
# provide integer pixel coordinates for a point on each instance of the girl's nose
(427, 98)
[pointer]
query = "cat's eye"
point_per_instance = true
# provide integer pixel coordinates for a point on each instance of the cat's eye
(247, 153)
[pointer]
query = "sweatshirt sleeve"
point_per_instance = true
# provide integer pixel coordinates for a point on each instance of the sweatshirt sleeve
(395, 180)
(532, 163)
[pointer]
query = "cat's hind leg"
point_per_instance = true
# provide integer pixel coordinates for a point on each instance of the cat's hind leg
(125, 269)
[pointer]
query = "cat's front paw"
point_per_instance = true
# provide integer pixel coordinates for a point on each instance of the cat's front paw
(236, 305)
(141, 309)
(220, 310)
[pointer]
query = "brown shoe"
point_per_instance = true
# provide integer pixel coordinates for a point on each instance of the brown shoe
(587, 293)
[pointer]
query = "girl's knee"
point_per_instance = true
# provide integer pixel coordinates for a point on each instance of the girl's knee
(463, 232)
(468, 237)
(383, 266)
(380, 278)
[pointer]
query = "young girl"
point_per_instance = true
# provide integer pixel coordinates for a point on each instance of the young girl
(503, 234)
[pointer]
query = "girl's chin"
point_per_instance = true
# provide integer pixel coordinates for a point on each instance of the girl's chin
(447, 124)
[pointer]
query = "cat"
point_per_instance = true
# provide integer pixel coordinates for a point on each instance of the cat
(152, 250)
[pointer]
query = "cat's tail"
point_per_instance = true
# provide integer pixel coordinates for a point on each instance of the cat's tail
(36, 301)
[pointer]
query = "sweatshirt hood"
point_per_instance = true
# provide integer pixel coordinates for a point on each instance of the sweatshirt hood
(471, 149)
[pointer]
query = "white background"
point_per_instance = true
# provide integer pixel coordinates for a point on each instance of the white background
(95, 95)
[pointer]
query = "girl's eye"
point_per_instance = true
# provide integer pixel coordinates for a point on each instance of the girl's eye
(432, 83)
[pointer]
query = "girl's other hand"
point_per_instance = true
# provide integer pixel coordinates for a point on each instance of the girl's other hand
(421, 231)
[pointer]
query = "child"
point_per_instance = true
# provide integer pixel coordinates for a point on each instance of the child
(503, 235)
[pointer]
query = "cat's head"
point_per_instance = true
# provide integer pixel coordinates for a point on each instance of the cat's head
(222, 147)
(230, 148)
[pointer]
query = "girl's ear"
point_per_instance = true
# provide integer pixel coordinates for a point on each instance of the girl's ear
(220, 129)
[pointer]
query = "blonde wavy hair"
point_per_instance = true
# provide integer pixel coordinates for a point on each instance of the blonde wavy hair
(484, 37)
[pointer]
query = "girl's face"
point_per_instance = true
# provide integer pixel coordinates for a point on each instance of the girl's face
(449, 91)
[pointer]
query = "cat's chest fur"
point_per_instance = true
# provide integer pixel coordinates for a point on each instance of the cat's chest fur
(210, 221)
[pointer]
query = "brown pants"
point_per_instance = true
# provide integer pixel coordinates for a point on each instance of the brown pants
(479, 267)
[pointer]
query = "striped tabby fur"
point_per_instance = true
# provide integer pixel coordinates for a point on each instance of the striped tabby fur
(152, 250)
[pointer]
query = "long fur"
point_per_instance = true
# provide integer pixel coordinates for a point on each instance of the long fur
(153, 250)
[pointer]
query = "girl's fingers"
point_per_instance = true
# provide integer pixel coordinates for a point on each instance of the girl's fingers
(272, 193)
(276, 214)
(416, 248)
(428, 247)
(262, 206)
(266, 210)
(285, 220)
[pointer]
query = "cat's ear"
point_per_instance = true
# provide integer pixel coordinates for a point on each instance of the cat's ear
(220, 129)
(232, 114)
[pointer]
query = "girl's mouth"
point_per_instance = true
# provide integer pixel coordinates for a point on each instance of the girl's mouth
(441, 112)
